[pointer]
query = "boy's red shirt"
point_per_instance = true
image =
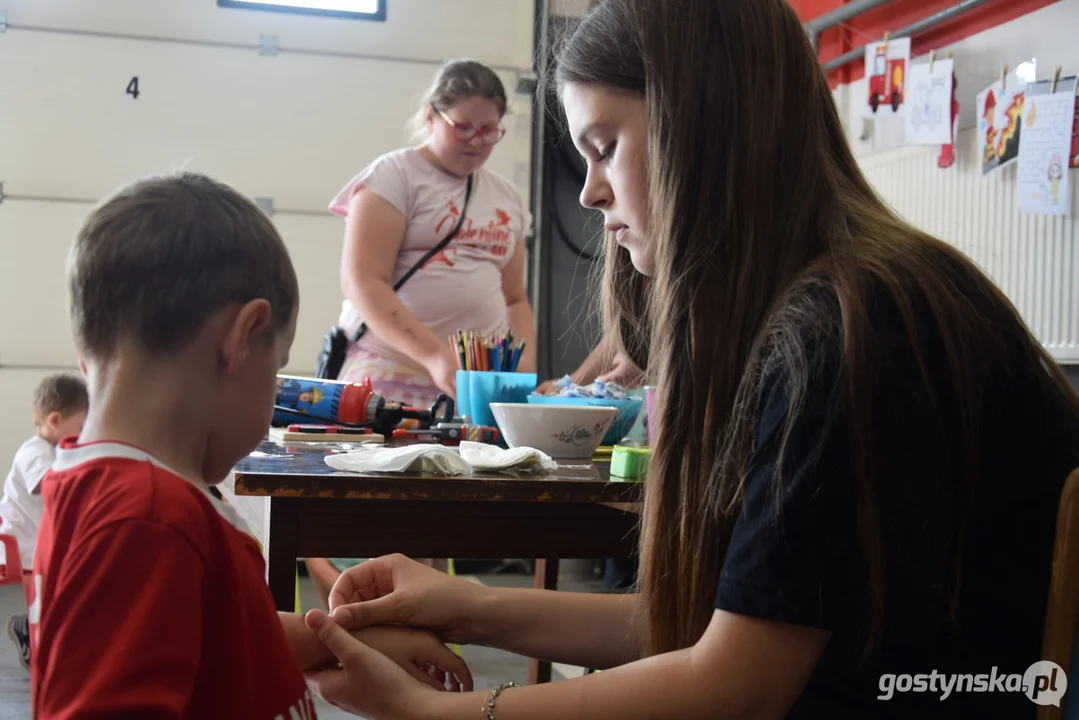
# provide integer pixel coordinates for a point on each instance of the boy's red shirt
(150, 598)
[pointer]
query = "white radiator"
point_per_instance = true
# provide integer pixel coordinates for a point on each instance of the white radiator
(1034, 259)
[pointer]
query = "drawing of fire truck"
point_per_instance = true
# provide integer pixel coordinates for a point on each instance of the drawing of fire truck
(886, 84)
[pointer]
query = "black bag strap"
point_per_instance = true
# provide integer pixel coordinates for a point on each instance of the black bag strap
(427, 255)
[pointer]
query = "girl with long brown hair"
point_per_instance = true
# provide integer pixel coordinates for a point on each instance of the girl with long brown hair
(859, 447)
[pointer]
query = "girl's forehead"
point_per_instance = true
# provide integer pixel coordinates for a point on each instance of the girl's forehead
(474, 110)
(591, 106)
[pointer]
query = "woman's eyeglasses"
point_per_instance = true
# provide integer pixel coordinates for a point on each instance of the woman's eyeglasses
(465, 132)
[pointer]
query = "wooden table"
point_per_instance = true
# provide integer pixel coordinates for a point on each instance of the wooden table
(298, 506)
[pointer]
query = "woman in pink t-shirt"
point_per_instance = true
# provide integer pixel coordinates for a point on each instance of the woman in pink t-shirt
(402, 205)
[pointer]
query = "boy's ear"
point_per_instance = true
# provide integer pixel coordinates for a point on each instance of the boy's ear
(53, 419)
(246, 333)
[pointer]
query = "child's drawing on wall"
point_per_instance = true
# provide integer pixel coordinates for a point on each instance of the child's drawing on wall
(1056, 172)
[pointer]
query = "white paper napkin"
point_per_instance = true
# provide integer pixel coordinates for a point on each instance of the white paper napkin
(441, 460)
(485, 458)
(435, 459)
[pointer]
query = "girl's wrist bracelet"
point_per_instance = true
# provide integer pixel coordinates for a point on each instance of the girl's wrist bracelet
(488, 712)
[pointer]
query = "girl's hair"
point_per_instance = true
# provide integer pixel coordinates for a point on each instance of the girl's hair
(763, 224)
(455, 81)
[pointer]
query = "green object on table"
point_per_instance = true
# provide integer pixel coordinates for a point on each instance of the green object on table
(602, 453)
(629, 463)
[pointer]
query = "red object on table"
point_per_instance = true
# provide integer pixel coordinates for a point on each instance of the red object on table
(454, 434)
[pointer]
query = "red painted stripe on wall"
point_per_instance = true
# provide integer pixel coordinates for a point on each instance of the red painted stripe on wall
(900, 13)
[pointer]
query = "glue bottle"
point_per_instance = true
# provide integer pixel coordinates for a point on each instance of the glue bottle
(311, 400)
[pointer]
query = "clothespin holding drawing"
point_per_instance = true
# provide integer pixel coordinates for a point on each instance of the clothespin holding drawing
(1056, 79)
(1004, 78)
(950, 55)
(887, 39)
(932, 58)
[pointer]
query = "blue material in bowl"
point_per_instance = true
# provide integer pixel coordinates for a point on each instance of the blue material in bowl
(628, 410)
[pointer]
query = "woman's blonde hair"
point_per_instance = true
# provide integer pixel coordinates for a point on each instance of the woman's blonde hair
(455, 81)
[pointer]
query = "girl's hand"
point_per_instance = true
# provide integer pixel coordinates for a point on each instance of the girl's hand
(443, 371)
(367, 683)
(548, 388)
(624, 372)
(394, 590)
(421, 654)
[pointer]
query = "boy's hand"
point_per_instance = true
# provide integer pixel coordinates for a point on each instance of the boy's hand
(421, 654)
(363, 681)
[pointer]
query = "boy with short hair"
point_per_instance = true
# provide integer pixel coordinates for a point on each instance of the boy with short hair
(60, 404)
(150, 594)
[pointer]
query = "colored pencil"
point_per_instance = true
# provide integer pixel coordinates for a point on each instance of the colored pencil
(486, 353)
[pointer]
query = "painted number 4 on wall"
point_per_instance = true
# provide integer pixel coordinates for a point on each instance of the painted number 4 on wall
(133, 88)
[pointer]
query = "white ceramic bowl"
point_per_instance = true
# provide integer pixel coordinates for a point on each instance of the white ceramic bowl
(561, 431)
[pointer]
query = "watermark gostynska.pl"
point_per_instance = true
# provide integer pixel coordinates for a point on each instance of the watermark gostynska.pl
(1044, 683)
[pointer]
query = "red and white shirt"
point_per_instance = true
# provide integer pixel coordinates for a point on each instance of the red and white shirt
(150, 599)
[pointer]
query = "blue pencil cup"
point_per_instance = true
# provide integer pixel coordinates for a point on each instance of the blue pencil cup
(477, 389)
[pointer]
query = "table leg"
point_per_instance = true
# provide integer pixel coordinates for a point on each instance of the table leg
(282, 552)
(545, 578)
